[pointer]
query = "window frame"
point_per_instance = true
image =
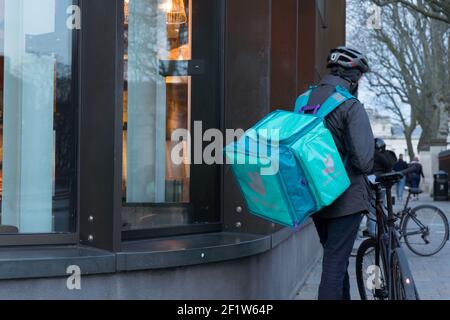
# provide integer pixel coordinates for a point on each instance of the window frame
(70, 238)
(215, 218)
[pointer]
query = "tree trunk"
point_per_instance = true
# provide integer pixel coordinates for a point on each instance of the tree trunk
(409, 144)
(430, 122)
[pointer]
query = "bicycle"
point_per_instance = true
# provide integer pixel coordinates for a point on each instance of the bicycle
(425, 228)
(382, 270)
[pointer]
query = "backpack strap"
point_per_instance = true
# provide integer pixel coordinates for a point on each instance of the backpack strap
(303, 100)
(340, 96)
(334, 101)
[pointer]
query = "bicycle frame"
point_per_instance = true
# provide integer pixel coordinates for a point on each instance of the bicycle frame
(388, 246)
(380, 250)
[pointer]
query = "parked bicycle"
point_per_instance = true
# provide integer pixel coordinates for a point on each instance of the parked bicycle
(382, 270)
(425, 228)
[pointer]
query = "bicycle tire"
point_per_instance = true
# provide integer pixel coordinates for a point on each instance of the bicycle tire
(368, 246)
(409, 240)
(402, 279)
(399, 290)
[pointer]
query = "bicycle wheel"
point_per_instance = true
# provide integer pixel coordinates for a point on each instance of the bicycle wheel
(425, 230)
(399, 290)
(370, 278)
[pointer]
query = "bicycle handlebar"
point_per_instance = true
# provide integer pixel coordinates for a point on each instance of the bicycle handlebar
(390, 178)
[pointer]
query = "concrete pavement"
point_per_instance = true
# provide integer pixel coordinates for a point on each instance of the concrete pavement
(432, 274)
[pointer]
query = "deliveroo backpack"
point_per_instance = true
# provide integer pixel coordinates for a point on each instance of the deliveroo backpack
(287, 165)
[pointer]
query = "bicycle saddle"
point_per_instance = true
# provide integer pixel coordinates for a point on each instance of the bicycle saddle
(390, 178)
(415, 191)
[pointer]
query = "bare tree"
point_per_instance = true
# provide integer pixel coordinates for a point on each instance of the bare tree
(410, 59)
(435, 9)
(389, 99)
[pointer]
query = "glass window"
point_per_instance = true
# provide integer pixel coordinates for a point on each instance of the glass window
(156, 33)
(37, 118)
(172, 66)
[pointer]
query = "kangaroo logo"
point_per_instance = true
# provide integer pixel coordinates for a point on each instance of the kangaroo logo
(256, 183)
(329, 165)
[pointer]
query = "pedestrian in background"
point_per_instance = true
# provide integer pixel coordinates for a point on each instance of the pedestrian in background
(398, 167)
(416, 174)
(384, 160)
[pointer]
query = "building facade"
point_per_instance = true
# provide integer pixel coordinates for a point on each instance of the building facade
(94, 93)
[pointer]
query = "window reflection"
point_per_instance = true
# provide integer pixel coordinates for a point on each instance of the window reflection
(37, 118)
(156, 103)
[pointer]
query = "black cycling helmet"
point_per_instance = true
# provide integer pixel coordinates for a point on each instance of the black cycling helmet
(380, 145)
(348, 58)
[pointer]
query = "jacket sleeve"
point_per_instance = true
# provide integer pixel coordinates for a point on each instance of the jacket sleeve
(360, 139)
(391, 159)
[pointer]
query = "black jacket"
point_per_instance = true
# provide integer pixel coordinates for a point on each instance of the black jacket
(352, 133)
(384, 162)
(400, 166)
(416, 170)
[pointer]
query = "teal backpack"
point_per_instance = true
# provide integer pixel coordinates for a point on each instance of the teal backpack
(287, 165)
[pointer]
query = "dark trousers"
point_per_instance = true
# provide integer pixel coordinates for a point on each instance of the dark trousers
(337, 237)
(415, 182)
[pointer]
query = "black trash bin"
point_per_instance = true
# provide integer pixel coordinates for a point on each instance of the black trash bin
(441, 186)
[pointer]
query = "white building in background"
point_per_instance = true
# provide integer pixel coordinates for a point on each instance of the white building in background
(394, 137)
(392, 134)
